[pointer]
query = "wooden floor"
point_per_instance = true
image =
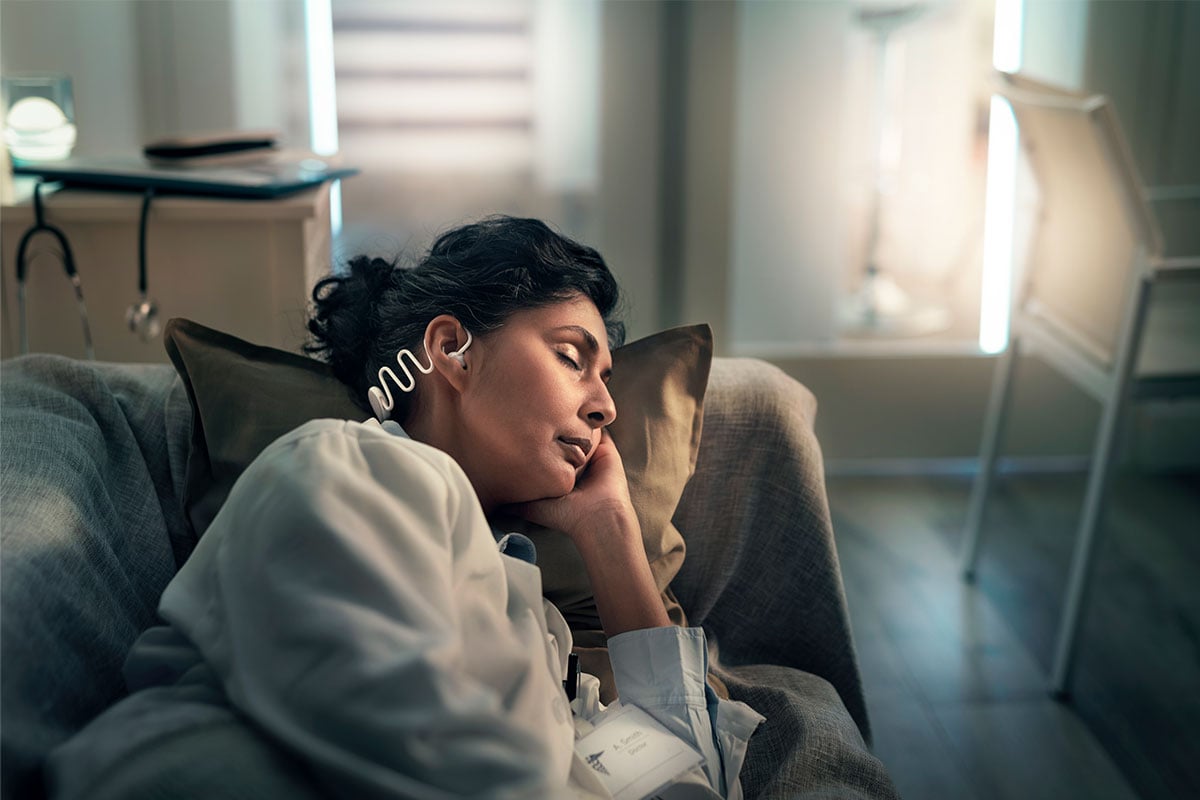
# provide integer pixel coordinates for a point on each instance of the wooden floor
(955, 674)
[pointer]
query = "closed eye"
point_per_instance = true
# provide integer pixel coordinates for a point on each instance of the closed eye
(566, 359)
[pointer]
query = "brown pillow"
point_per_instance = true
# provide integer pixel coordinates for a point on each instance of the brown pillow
(245, 396)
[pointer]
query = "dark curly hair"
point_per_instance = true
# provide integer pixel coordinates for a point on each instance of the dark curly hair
(480, 273)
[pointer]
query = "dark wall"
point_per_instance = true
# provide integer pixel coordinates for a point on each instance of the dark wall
(1146, 57)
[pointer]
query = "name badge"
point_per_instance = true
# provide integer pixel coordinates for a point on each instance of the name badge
(633, 755)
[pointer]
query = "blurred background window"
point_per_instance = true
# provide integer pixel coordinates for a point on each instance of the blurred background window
(427, 86)
(458, 109)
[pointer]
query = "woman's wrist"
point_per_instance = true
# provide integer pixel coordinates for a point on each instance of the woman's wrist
(607, 527)
(622, 582)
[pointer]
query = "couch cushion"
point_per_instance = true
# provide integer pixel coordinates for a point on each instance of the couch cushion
(809, 746)
(759, 533)
(245, 396)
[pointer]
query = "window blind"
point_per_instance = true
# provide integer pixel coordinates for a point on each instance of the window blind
(425, 85)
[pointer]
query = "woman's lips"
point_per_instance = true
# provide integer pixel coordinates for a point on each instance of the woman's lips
(576, 449)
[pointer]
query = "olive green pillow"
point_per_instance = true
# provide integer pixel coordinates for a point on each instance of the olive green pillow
(244, 396)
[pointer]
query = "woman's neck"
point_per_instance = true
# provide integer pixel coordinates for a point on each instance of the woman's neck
(438, 430)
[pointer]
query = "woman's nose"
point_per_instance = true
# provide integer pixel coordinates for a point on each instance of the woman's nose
(601, 410)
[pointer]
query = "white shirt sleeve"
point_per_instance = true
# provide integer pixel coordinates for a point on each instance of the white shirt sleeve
(663, 671)
(351, 598)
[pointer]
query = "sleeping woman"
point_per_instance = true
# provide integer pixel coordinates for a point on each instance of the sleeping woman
(351, 604)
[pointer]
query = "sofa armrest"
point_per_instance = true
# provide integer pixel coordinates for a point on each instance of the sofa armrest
(91, 532)
(761, 573)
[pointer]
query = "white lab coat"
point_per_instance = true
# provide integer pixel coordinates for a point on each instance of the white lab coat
(351, 600)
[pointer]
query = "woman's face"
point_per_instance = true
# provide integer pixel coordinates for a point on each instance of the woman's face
(532, 410)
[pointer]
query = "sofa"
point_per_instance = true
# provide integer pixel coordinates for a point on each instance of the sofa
(94, 523)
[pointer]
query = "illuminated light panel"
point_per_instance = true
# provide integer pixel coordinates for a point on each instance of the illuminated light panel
(998, 227)
(1006, 36)
(1001, 186)
(322, 99)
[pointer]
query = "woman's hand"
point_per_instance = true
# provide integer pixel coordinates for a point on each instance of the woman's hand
(599, 517)
(598, 503)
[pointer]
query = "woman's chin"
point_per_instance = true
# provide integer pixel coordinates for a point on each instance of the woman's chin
(550, 485)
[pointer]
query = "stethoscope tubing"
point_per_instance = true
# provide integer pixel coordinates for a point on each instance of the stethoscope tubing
(68, 261)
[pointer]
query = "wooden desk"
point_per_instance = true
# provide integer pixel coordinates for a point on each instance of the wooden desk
(245, 267)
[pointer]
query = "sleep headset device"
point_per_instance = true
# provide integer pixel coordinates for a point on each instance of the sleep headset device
(381, 399)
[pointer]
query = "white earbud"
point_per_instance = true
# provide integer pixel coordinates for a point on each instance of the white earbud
(457, 355)
(381, 399)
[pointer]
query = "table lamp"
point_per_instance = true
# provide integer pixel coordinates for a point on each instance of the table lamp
(39, 120)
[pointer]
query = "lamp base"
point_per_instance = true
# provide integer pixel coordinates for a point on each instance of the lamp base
(882, 308)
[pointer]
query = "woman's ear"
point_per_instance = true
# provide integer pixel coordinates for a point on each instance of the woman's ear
(445, 341)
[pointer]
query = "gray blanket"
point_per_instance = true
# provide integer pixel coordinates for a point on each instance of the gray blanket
(91, 533)
(92, 529)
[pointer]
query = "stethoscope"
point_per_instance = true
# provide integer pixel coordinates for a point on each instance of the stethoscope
(68, 261)
(141, 317)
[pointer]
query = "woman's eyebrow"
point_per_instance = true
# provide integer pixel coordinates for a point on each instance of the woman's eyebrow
(591, 341)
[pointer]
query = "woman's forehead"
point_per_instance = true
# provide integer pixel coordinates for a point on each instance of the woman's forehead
(577, 315)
